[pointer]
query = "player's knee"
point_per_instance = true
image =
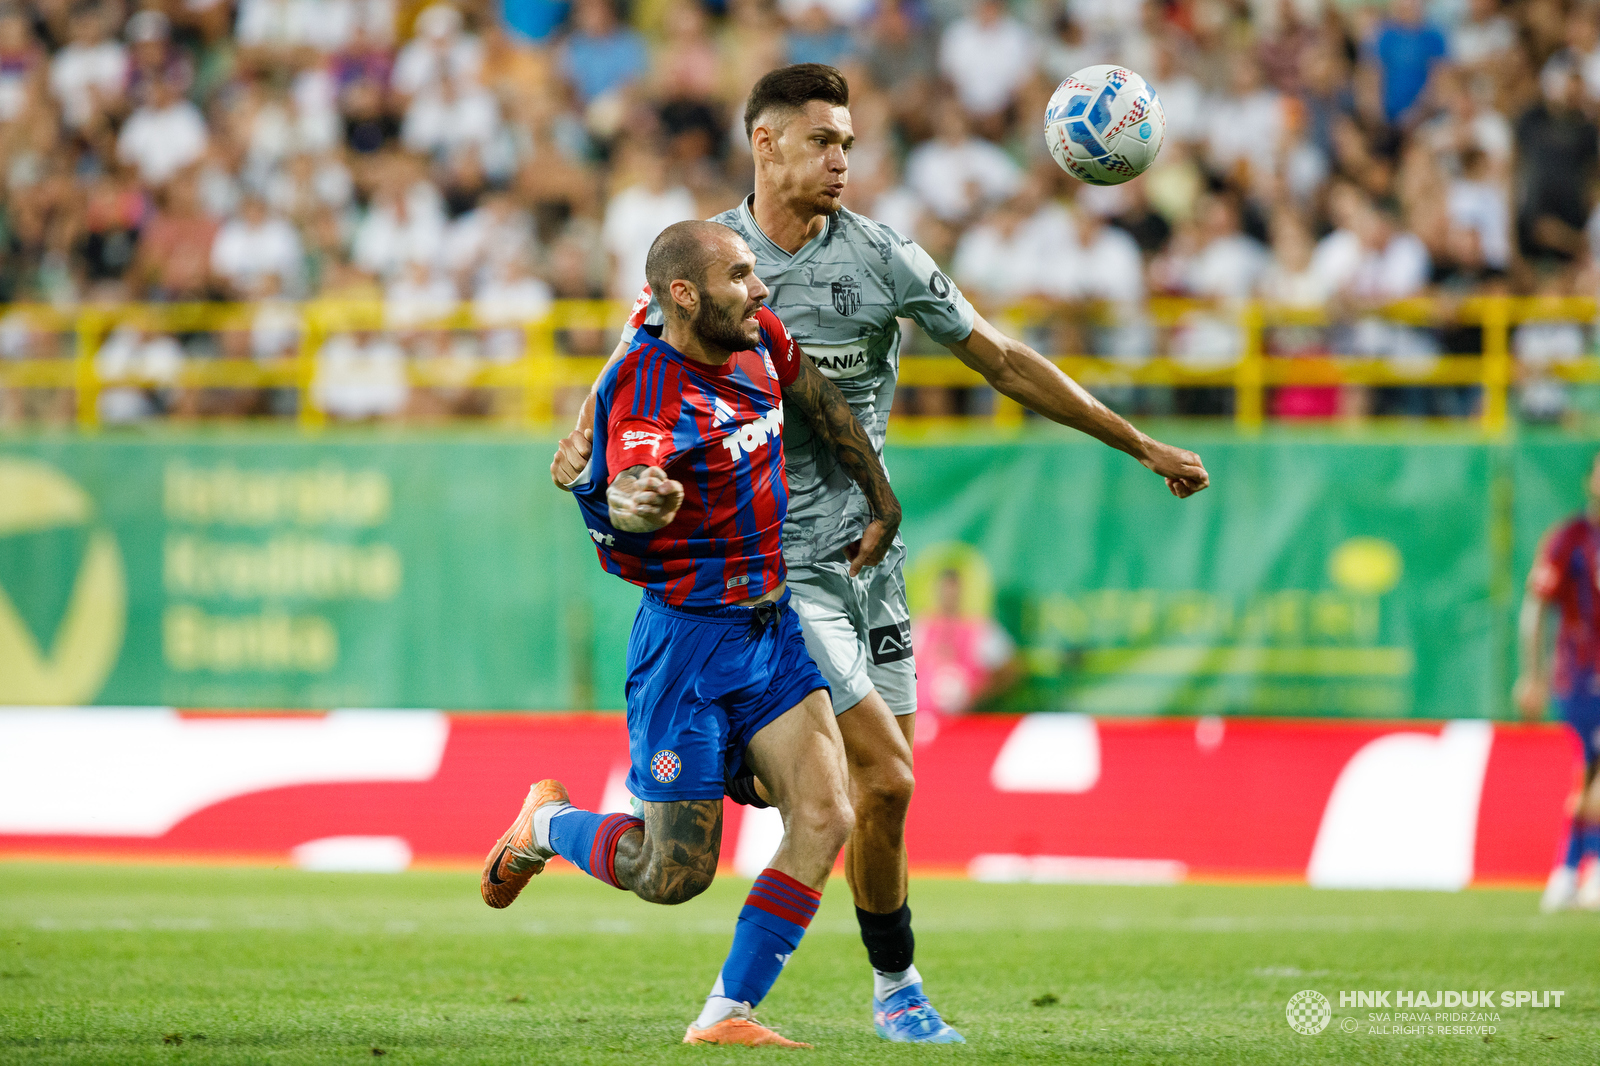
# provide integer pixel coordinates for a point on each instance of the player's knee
(883, 791)
(826, 819)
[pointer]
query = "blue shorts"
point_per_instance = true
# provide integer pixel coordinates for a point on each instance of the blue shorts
(701, 682)
(1581, 710)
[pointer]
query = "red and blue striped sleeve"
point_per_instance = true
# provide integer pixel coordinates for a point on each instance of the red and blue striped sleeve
(785, 352)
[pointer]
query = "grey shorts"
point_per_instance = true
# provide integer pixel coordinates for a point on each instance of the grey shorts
(858, 630)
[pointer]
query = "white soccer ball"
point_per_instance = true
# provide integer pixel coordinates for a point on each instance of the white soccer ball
(1104, 125)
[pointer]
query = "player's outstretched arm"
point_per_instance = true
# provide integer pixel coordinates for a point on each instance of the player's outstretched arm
(1021, 373)
(643, 499)
(827, 412)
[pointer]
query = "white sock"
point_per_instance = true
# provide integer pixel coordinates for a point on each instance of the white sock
(885, 985)
(718, 1007)
(541, 824)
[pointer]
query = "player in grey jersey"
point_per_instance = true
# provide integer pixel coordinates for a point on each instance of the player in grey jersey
(839, 281)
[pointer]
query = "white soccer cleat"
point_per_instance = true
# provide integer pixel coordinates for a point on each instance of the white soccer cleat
(1561, 891)
(1588, 894)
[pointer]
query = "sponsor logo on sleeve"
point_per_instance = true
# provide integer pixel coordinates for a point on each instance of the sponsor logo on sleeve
(638, 438)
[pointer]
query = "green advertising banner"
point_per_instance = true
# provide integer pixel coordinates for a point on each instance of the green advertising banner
(268, 569)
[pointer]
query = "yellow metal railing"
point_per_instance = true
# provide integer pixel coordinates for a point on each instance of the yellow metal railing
(545, 368)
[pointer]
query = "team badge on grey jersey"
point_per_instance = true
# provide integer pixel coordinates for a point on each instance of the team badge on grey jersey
(847, 296)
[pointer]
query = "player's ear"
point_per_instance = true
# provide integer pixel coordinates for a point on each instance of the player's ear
(763, 140)
(685, 296)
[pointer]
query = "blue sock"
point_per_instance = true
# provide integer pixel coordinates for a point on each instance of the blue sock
(770, 926)
(589, 841)
(1575, 835)
(1591, 839)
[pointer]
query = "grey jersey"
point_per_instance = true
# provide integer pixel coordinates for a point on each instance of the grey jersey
(840, 296)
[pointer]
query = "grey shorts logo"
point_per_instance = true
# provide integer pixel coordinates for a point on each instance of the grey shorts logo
(890, 644)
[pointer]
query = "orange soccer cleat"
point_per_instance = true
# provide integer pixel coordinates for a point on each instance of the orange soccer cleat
(739, 1028)
(516, 856)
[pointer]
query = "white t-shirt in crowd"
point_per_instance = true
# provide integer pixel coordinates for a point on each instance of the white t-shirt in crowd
(1034, 259)
(77, 69)
(942, 174)
(1229, 267)
(1399, 270)
(987, 64)
(384, 241)
(245, 254)
(840, 12)
(1481, 207)
(437, 122)
(277, 23)
(410, 301)
(1244, 127)
(484, 237)
(355, 380)
(159, 142)
(634, 218)
(422, 63)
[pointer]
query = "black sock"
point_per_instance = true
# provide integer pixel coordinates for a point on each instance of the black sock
(889, 939)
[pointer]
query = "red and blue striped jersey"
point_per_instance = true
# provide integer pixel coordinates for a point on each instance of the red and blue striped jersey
(1567, 575)
(719, 431)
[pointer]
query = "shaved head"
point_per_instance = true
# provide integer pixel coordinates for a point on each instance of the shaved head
(682, 252)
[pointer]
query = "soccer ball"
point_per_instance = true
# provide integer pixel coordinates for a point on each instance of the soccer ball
(1104, 125)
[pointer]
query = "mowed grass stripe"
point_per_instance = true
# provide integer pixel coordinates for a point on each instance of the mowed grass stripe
(114, 964)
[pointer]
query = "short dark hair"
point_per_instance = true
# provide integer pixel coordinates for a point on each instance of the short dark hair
(792, 88)
(681, 252)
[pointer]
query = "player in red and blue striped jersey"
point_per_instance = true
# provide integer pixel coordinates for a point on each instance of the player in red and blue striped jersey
(720, 430)
(1566, 579)
(685, 496)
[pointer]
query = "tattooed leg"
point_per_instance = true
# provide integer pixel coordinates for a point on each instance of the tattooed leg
(674, 857)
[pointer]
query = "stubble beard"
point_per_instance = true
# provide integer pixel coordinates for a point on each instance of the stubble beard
(717, 327)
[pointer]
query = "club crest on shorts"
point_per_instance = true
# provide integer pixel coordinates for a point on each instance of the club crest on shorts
(665, 765)
(847, 296)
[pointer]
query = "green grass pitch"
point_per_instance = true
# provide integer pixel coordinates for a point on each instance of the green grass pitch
(114, 964)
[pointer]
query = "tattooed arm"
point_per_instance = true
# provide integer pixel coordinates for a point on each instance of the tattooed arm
(643, 499)
(827, 412)
(675, 858)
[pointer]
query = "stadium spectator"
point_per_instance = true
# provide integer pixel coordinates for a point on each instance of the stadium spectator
(87, 76)
(173, 260)
(1556, 158)
(256, 254)
(958, 173)
(1244, 124)
(21, 61)
(637, 213)
(987, 56)
(403, 225)
(1483, 37)
(1478, 209)
(441, 50)
(1227, 262)
(602, 56)
(964, 658)
(1406, 47)
(164, 135)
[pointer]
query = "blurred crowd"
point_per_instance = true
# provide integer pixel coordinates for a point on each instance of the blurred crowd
(1319, 153)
